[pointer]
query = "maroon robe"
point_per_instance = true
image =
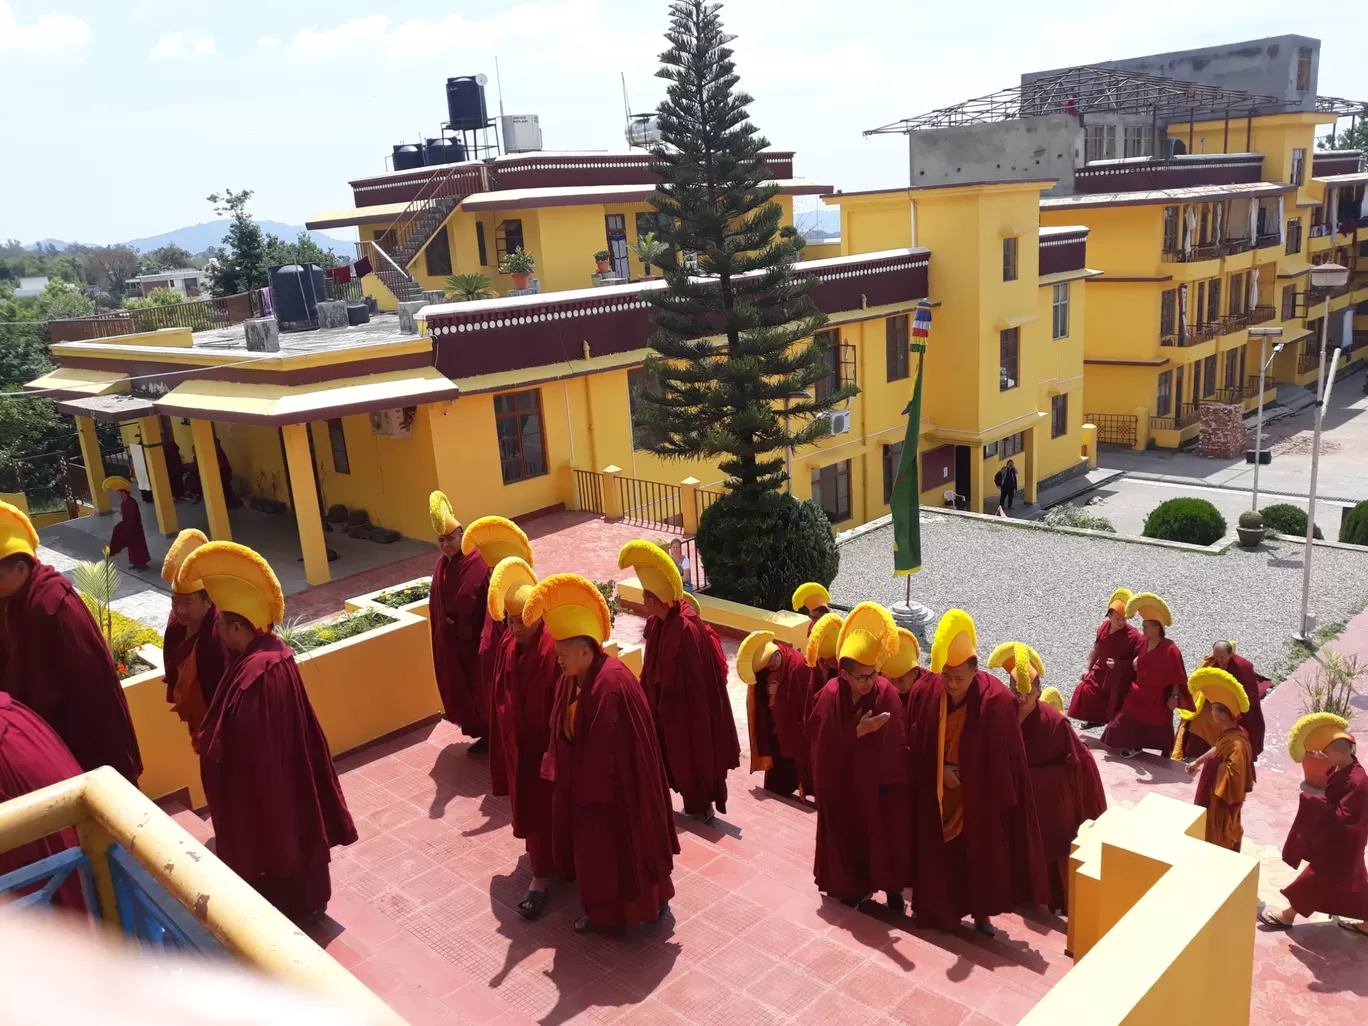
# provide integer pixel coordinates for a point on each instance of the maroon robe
(457, 611)
(524, 689)
(1067, 788)
(1330, 834)
(1145, 720)
(997, 862)
(128, 534)
(230, 498)
(1099, 695)
(56, 662)
(491, 636)
(32, 756)
(863, 836)
(684, 676)
(778, 724)
(273, 793)
(613, 825)
(1252, 722)
(211, 657)
(175, 467)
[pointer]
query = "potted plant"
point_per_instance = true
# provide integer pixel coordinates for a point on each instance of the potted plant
(604, 260)
(1250, 528)
(649, 250)
(466, 288)
(519, 265)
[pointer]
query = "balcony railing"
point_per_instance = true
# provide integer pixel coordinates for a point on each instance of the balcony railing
(1229, 396)
(1251, 389)
(1207, 251)
(199, 315)
(1230, 247)
(1267, 239)
(1221, 326)
(1308, 360)
(1360, 341)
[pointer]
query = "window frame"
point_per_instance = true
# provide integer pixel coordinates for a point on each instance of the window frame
(1009, 337)
(1059, 415)
(1168, 312)
(1303, 79)
(1297, 175)
(897, 355)
(1011, 255)
(502, 231)
(1294, 236)
(337, 442)
(517, 414)
(1209, 376)
(831, 381)
(1012, 445)
(1163, 397)
(1059, 310)
(440, 245)
(839, 472)
(1288, 311)
(1172, 235)
(481, 247)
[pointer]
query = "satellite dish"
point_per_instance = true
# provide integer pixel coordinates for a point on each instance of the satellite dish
(481, 79)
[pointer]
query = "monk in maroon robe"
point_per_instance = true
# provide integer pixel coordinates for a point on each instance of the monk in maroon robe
(524, 689)
(1330, 834)
(859, 762)
(32, 757)
(128, 532)
(1224, 657)
(456, 616)
(175, 466)
(976, 846)
(685, 679)
(268, 775)
(1065, 782)
(54, 659)
(1145, 719)
(230, 498)
(613, 826)
(193, 651)
(778, 702)
(1111, 666)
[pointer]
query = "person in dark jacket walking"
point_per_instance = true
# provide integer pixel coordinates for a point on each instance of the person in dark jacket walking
(1006, 480)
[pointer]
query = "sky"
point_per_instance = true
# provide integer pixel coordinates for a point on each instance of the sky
(123, 115)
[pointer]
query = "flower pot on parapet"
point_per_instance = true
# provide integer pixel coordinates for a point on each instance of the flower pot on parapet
(1250, 529)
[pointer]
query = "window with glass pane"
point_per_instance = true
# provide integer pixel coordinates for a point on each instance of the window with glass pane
(832, 356)
(1061, 310)
(1012, 445)
(338, 440)
(831, 490)
(640, 380)
(990, 450)
(437, 255)
(480, 247)
(1178, 391)
(1009, 359)
(508, 238)
(895, 335)
(1294, 236)
(1298, 166)
(1232, 368)
(1209, 376)
(1163, 403)
(1170, 229)
(522, 438)
(1289, 302)
(1168, 312)
(1059, 415)
(892, 457)
(1009, 259)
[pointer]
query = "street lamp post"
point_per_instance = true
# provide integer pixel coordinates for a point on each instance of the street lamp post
(1323, 276)
(1263, 335)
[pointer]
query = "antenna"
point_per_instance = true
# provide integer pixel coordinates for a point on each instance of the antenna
(626, 104)
(498, 81)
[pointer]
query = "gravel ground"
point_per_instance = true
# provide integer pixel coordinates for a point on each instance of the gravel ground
(1050, 589)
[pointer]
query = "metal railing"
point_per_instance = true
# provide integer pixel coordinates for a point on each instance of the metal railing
(1114, 428)
(1206, 251)
(429, 209)
(1228, 396)
(1359, 341)
(1251, 389)
(703, 498)
(1232, 247)
(589, 491)
(694, 577)
(651, 502)
(1308, 360)
(198, 315)
(402, 284)
(1267, 239)
(350, 291)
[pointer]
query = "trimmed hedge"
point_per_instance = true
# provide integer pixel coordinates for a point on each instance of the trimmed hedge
(1284, 518)
(757, 552)
(1195, 521)
(1354, 528)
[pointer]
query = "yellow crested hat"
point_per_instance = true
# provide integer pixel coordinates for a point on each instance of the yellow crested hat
(955, 642)
(907, 656)
(810, 596)
(654, 569)
(1212, 684)
(753, 655)
(692, 600)
(570, 606)
(238, 581)
(116, 483)
(1119, 598)
(869, 636)
(497, 538)
(16, 532)
(822, 639)
(441, 514)
(186, 542)
(1313, 733)
(1052, 697)
(1021, 661)
(1150, 607)
(509, 586)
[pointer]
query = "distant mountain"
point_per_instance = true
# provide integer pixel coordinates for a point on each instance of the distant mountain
(818, 224)
(199, 237)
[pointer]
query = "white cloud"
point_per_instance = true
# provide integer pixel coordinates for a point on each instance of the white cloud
(178, 47)
(49, 35)
(268, 43)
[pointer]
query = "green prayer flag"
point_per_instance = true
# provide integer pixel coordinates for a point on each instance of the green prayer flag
(907, 557)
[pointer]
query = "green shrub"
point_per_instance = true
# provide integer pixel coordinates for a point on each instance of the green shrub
(1354, 528)
(757, 554)
(1284, 518)
(348, 625)
(1077, 516)
(402, 597)
(1195, 521)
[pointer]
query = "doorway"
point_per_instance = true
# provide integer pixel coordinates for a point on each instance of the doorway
(616, 227)
(964, 478)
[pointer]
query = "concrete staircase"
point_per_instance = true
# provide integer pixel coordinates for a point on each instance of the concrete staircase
(1295, 398)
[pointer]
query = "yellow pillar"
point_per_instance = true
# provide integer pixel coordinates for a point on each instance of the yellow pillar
(1142, 424)
(215, 506)
(1032, 475)
(976, 478)
(688, 502)
(612, 495)
(307, 515)
(162, 499)
(94, 465)
(1090, 445)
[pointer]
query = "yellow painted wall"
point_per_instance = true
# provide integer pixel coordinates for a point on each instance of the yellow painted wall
(258, 462)
(390, 478)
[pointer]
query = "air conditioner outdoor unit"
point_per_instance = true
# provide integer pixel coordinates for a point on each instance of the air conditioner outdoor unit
(839, 420)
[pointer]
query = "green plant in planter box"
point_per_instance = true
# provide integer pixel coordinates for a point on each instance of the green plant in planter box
(602, 257)
(403, 596)
(649, 250)
(518, 262)
(466, 288)
(1251, 520)
(1284, 518)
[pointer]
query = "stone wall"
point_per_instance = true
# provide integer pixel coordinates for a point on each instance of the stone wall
(1224, 435)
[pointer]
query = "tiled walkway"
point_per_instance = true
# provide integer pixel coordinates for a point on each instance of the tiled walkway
(423, 912)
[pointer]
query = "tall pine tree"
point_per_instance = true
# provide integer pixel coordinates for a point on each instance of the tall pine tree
(736, 357)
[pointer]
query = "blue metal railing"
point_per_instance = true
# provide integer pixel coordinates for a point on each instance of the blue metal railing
(149, 915)
(52, 872)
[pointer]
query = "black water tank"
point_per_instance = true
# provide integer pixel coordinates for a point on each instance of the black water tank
(407, 157)
(295, 294)
(320, 282)
(466, 102)
(443, 151)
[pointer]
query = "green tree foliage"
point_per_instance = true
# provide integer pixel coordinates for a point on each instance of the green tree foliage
(242, 264)
(1354, 529)
(758, 551)
(165, 258)
(1284, 518)
(1195, 521)
(1354, 138)
(157, 297)
(302, 251)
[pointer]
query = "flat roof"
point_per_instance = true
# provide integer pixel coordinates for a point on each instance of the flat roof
(837, 197)
(380, 213)
(1355, 178)
(1145, 197)
(1047, 230)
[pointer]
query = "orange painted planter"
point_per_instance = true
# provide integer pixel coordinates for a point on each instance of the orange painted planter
(520, 280)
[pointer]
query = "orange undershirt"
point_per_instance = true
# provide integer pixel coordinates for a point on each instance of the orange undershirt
(951, 798)
(187, 698)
